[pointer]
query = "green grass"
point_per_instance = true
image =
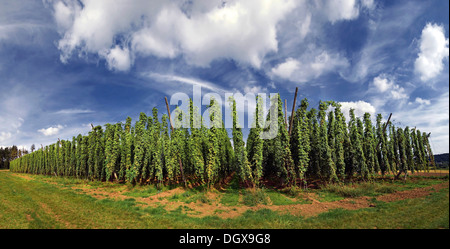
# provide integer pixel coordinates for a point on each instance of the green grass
(357, 190)
(38, 204)
(253, 197)
(421, 213)
(231, 195)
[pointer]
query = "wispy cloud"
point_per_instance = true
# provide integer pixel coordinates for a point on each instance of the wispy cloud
(169, 78)
(433, 117)
(4, 136)
(309, 66)
(386, 32)
(73, 111)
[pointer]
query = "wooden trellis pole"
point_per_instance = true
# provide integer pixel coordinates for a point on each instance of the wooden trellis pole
(384, 129)
(293, 112)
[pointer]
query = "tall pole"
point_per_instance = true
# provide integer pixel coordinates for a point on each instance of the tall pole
(293, 112)
(168, 111)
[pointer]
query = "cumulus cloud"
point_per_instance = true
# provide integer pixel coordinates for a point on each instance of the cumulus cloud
(201, 31)
(337, 10)
(309, 66)
(287, 68)
(383, 84)
(360, 108)
(51, 130)
(118, 59)
(433, 50)
(421, 101)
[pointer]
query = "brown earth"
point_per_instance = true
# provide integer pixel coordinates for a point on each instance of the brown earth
(214, 207)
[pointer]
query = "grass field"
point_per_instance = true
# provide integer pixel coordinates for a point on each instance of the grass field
(41, 202)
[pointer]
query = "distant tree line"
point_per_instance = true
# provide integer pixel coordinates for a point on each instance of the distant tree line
(321, 145)
(7, 154)
(442, 160)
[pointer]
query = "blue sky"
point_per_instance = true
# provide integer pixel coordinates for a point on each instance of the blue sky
(66, 64)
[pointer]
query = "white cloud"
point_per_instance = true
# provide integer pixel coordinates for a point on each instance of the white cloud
(202, 31)
(4, 136)
(360, 108)
(51, 130)
(309, 66)
(422, 101)
(17, 103)
(398, 93)
(337, 10)
(433, 50)
(74, 111)
(369, 4)
(286, 69)
(255, 89)
(118, 59)
(305, 26)
(64, 14)
(385, 30)
(167, 78)
(382, 84)
(433, 117)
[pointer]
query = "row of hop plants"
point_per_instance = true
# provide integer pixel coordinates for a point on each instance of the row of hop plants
(322, 145)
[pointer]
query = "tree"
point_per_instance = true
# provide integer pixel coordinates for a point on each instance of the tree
(197, 159)
(369, 146)
(358, 163)
(212, 159)
(401, 141)
(168, 156)
(240, 160)
(427, 146)
(393, 149)
(382, 150)
(340, 137)
(300, 140)
(110, 160)
(125, 149)
(255, 143)
(423, 153)
(327, 166)
(99, 153)
(277, 150)
(416, 151)
(409, 150)
(155, 148)
(134, 173)
(112, 150)
(314, 163)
